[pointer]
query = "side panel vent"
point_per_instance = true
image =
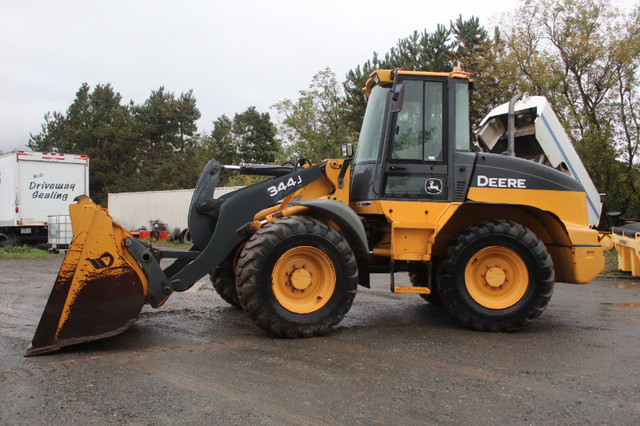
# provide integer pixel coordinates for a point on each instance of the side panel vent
(461, 191)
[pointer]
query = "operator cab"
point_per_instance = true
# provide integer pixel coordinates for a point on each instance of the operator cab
(415, 129)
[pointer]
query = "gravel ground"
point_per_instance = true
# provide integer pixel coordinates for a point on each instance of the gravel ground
(393, 360)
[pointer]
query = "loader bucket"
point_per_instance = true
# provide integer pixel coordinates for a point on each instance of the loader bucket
(100, 289)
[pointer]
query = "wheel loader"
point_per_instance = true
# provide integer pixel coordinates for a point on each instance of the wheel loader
(484, 234)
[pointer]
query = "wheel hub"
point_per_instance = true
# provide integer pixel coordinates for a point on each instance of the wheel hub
(495, 277)
(300, 279)
(303, 279)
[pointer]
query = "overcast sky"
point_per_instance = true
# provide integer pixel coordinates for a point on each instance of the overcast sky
(233, 54)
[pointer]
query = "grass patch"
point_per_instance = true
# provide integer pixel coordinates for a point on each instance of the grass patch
(26, 252)
(610, 263)
(166, 244)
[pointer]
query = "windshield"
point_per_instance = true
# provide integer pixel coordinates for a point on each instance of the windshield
(371, 132)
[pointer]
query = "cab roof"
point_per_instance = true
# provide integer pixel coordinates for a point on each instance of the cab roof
(382, 77)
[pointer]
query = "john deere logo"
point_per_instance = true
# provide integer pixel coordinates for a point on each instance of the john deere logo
(102, 262)
(433, 186)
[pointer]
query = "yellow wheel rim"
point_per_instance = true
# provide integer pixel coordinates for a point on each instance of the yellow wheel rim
(303, 279)
(496, 277)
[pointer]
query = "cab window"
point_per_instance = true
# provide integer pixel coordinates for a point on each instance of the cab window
(463, 132)
(419, 126)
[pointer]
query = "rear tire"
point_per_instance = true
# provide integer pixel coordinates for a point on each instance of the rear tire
(496, 276)
(297, 277)
(7, 242)
(223, 279)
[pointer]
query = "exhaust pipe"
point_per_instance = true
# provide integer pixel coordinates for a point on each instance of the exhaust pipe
(511, 141)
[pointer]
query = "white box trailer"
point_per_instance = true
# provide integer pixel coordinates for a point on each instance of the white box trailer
(135, 210)
(34, 186)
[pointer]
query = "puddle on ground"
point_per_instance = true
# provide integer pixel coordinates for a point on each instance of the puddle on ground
(626, 285)
(622, 305)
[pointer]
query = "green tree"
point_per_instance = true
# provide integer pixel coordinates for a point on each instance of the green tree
(584, 56)
(464, 43)
(418, 50)
(627, 93)
(51, 134)
(221, 144)
(98, 126)
(144, 147)
(477, 53)
(355, 99)
(248, 138)
(255, 137)
(167, 143)
(314, 125)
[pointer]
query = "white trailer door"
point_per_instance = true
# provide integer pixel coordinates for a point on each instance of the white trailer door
(47, 188)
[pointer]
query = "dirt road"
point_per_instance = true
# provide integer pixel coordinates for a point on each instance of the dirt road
(393, 360)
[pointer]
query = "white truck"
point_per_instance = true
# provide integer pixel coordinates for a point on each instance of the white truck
(34, 186)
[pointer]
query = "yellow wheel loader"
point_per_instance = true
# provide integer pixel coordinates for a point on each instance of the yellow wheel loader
(484, 234)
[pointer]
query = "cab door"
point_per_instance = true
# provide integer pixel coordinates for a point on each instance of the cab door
(416, 158)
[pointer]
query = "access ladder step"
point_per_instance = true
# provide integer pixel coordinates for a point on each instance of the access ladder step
(411, 289)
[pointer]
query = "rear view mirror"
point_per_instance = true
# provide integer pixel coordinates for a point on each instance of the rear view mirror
(396, 97)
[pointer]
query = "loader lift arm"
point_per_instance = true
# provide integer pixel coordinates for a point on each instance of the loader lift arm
(218, 226)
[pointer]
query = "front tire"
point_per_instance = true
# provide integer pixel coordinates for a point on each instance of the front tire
(223, 279)
(297, 277)
(496, 276)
